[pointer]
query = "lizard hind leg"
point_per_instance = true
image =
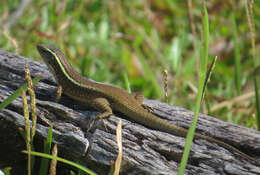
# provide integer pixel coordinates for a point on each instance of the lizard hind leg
(102, 105)
(140, 98)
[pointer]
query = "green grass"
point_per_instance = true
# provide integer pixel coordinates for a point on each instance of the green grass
(47, 150)
(80, 167)
(237, 55)
(106, 40)
(201, 89)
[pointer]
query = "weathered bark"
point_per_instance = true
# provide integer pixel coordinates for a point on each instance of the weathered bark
(145, 151)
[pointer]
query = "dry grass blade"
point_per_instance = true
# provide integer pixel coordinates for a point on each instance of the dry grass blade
(27, 130)
(120, 148)
(208, 75)
(231, 102)
(11, 39)
(53, 161)
(165, 73)
(32, 100)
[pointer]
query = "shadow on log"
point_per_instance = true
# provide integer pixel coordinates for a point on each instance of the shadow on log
(145, 151)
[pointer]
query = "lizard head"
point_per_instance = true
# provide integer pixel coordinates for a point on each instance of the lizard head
(52, 57)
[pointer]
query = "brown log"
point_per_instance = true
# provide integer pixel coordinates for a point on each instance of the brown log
(145, 151)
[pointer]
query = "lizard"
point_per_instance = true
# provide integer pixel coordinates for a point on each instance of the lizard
(107, 98)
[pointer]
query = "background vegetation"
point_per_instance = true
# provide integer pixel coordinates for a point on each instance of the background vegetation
(107, 40)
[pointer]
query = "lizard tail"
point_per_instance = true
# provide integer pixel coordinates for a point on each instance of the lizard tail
(157, 123)
(227, 146)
